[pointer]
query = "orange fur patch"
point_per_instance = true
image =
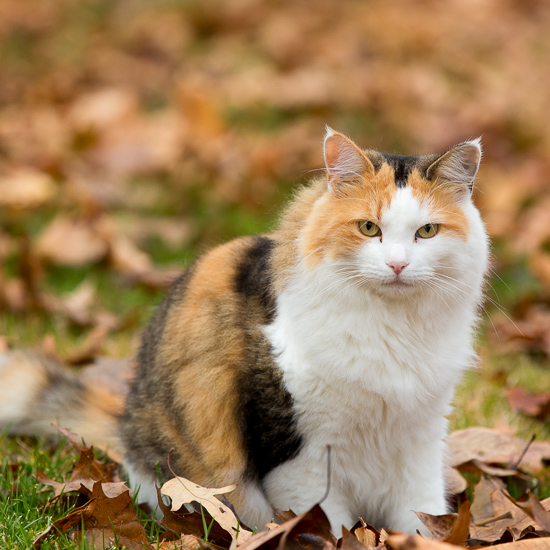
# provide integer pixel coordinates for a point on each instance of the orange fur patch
(332, 227)
(441, 199)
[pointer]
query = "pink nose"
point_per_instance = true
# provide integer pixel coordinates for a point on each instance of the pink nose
(397, 266)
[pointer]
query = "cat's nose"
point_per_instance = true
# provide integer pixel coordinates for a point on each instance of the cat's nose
(397, 265)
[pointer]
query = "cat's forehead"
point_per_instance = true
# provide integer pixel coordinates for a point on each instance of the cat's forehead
(402, 166)
(401, 193)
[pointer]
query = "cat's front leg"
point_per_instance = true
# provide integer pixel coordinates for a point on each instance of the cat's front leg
(424, 492)
(339, 514)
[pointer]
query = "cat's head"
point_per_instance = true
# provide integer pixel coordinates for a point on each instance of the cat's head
(397, 224)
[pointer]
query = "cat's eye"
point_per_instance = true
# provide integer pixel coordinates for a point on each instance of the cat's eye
(428, 231)
(370, 229)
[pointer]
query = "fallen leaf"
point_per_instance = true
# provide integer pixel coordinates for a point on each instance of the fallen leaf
(182, 491)
(90, 348)
(186, 542)
(491, 447)
(113, 521)
(534, 509)
(71, 242)
(451, 528)
(66, 523)
(366, 534)
(416, 542)
(25, 188)
(313, 522)
(191, 523)
(349, 541)
(86, 472)
(536, 405)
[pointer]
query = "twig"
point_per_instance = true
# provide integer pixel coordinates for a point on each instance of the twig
(516, 464)
(329, 474)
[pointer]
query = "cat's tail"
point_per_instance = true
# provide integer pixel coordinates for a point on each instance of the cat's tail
(36, 392)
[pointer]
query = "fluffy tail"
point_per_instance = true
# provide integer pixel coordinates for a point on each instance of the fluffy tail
(36, 392)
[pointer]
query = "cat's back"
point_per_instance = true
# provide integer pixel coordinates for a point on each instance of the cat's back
(220, 298)
(206, 378)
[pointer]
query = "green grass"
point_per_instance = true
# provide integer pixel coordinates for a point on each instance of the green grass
(25, 507)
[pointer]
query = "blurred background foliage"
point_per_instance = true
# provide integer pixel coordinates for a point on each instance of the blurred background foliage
(135, 134)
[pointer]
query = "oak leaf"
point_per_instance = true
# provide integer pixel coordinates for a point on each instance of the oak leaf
(182, 491)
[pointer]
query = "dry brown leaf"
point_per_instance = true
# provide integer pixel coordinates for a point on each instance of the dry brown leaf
(86, 472)
(113, 520)
(349, 541)
(537, 405)
(491, 447)
(491, 523)
(530, 544)
(416, 542)
(366, 534)
(127, 258)
(182, 491)
(451, 528)
(90, 348)
(187, 542)
(26, 188)
(313, 522)
(71, 242)
(482, 505)
(535, 510)
(66, 523)
(191, 523)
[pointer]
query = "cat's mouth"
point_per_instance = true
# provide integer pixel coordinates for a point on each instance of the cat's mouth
(398, 282)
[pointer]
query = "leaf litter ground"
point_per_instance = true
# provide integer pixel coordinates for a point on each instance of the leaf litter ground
(487, 515)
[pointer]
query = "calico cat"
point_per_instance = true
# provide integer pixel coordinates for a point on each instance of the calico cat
(348, 326)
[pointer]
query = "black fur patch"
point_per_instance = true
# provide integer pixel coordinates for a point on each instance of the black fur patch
(253, 274)
(402, 166)
(269, 420)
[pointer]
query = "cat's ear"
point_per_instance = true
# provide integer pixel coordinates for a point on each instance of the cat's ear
(458, 166)
(346, 163)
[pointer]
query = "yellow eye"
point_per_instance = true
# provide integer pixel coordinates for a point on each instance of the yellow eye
(428, 231)
(370, 229)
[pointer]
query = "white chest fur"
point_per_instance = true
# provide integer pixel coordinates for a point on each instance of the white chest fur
(374, 379)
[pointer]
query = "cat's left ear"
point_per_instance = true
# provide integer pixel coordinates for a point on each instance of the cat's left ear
(458, 166)
(346, 163)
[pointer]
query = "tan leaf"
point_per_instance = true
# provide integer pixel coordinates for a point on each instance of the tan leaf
(451, 528)
(26, 188)
(191, 523)
(490, 446)
(366, 534)
(535, 510)
(349, 541)
(182, 491)
(482, 505)
(416, 542)
(71, 242)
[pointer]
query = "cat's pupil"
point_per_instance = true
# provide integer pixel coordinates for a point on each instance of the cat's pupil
(369, 226)
(427, 227)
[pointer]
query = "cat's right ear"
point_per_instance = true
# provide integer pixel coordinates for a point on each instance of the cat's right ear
(345, 162)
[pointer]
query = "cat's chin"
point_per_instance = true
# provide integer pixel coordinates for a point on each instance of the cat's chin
(396, 287)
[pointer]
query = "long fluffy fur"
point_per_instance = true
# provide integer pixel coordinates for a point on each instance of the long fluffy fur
(271, 348)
